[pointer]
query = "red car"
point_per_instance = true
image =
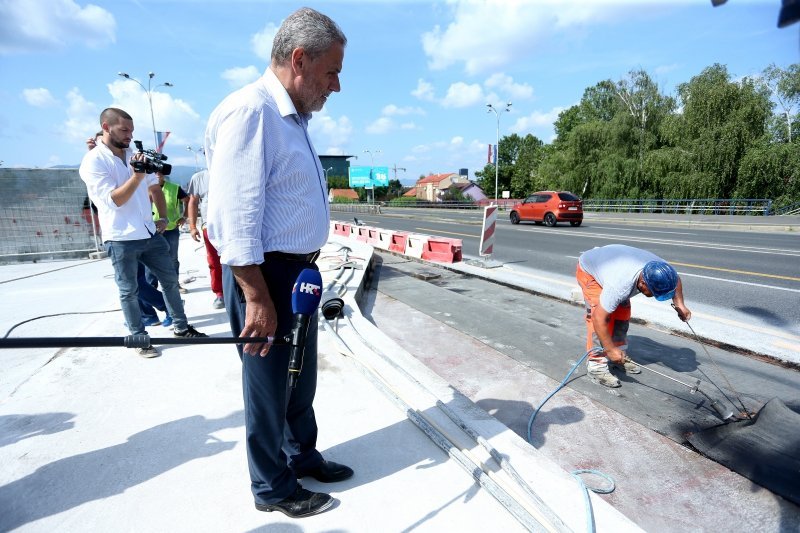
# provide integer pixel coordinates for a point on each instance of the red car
(550, 207)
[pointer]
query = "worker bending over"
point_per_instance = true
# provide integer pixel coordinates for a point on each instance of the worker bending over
(609, 277)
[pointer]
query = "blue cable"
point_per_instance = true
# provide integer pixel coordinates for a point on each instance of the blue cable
(576, 474)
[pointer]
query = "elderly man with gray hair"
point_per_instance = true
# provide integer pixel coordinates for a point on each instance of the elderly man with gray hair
(268, 216)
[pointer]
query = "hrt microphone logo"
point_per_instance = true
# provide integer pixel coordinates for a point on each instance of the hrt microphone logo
(308, 288)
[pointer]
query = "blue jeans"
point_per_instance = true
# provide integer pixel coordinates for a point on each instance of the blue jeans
(150, 298)
(154, 254)
(172, 237)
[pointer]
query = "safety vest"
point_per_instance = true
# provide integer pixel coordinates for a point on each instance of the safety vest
(173, 205)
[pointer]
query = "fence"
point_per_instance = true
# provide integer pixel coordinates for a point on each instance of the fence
(689, 206)
(44, 214)
(686, 206)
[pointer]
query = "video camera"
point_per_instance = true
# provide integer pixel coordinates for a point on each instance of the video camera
(153, 161)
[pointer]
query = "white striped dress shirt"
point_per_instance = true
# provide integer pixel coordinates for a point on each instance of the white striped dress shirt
(267, 190)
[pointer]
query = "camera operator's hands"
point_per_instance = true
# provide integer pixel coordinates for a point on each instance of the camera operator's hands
(91, 143)
(137, 157)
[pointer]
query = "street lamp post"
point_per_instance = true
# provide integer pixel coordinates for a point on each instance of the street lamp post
(326, 173)
(497, 150)
(149, 92)
(200, 150)
(371, 167)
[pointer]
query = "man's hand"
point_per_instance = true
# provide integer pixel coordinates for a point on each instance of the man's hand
(260, 321)
(161, 225)
(194, 232)
(683, 312)
(91, 143)
(181, 221)
(616, 355)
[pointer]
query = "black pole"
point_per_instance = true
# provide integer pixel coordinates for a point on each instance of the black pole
(129, 341)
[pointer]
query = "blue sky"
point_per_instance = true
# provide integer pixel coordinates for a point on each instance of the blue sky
(416, 80)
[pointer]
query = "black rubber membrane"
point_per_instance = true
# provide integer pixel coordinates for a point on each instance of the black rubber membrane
(766, 449)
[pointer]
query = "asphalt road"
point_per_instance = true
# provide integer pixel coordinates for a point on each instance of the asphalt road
(755, 275)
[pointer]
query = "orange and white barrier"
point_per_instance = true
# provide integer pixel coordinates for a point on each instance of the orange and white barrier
(425, 247)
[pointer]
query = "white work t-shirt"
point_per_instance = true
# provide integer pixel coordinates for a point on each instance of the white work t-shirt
(616, 268)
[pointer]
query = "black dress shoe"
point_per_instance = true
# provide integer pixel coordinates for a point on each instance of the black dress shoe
(327, 472)
(302, 503)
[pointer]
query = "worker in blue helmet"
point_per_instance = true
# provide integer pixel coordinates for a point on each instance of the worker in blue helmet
(609, 277)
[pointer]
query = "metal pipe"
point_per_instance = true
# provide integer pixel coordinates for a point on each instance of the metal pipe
(130, 341)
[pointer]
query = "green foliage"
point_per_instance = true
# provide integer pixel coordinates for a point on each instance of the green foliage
(717, 138)
(404, 200)
(343, 200)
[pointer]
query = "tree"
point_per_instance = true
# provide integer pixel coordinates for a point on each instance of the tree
(721, 119)
(784, 85)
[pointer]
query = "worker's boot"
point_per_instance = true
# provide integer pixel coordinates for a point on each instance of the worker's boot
(598, 372)
(631, 367)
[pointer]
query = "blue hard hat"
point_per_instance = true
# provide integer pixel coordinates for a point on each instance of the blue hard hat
(661, 279)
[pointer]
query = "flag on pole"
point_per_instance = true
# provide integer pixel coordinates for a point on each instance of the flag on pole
(491, 158)
(162, 138)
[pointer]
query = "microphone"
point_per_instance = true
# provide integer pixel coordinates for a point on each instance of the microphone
(306, 295)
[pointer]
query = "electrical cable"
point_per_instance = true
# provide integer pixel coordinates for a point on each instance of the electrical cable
(576, 473)
(15, 326)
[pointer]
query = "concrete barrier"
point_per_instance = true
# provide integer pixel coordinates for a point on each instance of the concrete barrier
(384, 239)
(340, 228)
(415, 244)
(363, 233)
(399, 241)
(442, 249)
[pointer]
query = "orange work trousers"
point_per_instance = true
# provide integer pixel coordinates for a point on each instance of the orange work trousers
(617, 324)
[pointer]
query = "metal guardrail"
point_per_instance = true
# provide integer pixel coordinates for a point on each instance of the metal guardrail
(371, 209)
(685, 206)
(793, 209)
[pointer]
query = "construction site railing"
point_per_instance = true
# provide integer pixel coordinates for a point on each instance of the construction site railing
(45, 214)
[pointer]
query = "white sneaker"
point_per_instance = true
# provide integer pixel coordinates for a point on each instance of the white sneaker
(219, 303)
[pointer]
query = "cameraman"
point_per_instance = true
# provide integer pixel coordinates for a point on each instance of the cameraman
(131, 236)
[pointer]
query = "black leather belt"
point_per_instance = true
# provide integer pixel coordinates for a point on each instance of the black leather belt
(301, 258)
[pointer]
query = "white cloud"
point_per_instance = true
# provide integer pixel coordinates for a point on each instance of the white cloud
(28, 26)
(39, 97)
(537, 123)
(424, 91)
(392, 110)
(381, 126)
(334, 133)
(262, 41)
(408, 126)
(505, 85)
(461, 94)
(240, 76)
(489, 34)
(83, 117)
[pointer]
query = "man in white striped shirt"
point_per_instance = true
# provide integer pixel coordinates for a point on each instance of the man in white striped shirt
(268, 217)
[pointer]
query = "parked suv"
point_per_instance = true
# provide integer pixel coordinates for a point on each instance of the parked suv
(549, 207)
